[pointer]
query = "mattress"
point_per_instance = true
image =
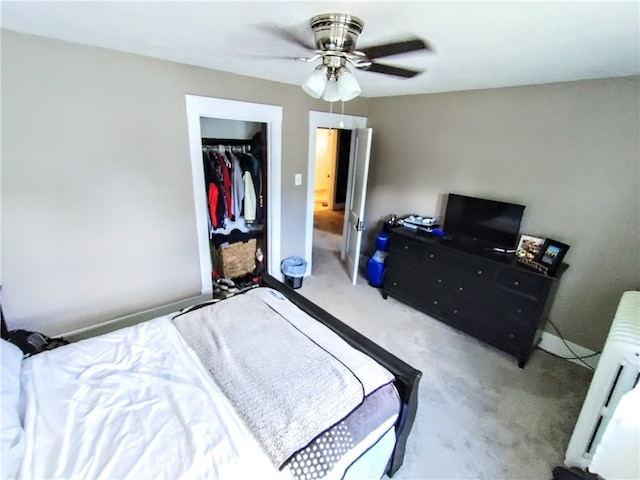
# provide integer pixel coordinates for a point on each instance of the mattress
(138, 403)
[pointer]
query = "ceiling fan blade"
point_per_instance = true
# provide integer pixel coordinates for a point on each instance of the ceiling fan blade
(391, 70)
(289, 35)
(395, 48)
(268, 57)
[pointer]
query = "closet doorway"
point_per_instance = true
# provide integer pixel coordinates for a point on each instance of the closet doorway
(199, 108)
(319, 124)
(235, 175)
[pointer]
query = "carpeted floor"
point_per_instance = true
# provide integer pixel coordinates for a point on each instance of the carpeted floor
(331, 221)
(479, 415)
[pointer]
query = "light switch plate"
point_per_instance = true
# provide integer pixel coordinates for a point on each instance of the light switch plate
(298, 179)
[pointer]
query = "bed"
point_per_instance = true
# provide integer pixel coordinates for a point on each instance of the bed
(264, 384)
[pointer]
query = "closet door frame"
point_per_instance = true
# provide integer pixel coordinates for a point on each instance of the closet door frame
(197, 107)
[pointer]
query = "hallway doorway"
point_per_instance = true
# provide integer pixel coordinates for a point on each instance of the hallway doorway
(326, 210)
(328, 195)
(331, 173)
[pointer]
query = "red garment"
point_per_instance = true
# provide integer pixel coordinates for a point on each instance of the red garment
(213, 202)
(226, 182)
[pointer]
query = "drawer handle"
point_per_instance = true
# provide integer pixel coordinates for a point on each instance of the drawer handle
(519, 310)
(479, 272)
(439, 280)
(460, 288)
(435, 302)
(516, 283)
(395, 284)
(406, 247)
(455, 312)
(431, 255)
(512, 336)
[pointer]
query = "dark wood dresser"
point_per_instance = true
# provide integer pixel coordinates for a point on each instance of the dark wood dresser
(483, 293)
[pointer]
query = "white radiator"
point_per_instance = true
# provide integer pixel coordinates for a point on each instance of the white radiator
(617, 373)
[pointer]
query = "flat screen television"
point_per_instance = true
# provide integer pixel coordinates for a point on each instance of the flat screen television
(490, 223)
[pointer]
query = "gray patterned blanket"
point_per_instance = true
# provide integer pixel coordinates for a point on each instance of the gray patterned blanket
(317, 459)
(287, 387)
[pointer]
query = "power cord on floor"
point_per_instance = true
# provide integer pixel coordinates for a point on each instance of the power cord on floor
(575, 355)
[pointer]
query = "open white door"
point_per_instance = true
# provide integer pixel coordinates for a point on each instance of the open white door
(356, 196)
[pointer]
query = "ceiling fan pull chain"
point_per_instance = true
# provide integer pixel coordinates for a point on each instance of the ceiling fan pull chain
(330, 113)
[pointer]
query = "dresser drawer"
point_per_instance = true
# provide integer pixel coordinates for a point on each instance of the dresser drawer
(482, 270)
(429, 299)
(519, 307)
(433, 302)
(435, 277)
(404, 280)
(522, 282)
(502, 302)
(435, 254)
(461, 314)
(484, 324)
(511, 337)
(405, 246)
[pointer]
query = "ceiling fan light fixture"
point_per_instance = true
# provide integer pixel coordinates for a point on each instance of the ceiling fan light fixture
(331, 92)
(316, 83)
(332, 84)
(348, 86)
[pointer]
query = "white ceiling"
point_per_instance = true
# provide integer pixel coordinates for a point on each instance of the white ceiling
(476, 44)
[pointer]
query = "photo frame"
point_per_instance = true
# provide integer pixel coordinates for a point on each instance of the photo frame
(529, 247)
(551, 254)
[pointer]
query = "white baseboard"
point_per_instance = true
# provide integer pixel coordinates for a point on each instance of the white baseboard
(135, 318)
(554, 344)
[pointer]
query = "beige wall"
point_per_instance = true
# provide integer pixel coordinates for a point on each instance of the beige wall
(97, 202)
(569, 152)
(97, 207)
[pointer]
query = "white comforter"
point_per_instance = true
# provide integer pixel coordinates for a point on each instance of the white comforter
(139, 406)
(137, 403)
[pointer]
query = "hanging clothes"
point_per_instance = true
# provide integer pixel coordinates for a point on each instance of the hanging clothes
(249, 198)
(212, 195)
(233, 181)
(222, 202)
(237, 185)
(214, 187)
(251, 165)
(226, 184)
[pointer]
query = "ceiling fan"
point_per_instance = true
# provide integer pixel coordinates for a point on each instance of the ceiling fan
(335, 37)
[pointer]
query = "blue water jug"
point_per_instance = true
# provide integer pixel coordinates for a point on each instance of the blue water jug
(375, 268)
(382, 242)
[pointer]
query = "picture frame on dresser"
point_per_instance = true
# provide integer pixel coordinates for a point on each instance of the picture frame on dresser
(551, 254)
(529, 247)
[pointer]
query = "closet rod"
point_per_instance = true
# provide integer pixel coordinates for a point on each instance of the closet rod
(233, 142)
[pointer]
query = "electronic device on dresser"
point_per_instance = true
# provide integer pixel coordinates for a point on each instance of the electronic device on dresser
(481, 222)
(468, 280)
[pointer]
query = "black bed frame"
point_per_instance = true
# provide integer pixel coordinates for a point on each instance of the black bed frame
(407, 377)
(5, 332)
